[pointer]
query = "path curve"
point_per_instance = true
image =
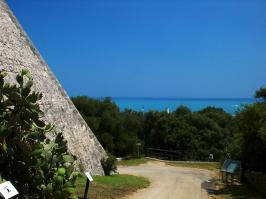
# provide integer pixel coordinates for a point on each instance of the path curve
(169, 182)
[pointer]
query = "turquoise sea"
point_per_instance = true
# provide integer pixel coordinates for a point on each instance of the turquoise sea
(159, 104)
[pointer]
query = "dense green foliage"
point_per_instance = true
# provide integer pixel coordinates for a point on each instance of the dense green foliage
(37, 166)
(196, 134)
(109, 165)
(249, 143)
(117, 131)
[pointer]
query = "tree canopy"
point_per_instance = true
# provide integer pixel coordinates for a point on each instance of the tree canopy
(261, 93)
(196, 134)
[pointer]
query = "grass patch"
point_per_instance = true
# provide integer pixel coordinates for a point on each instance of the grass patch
(199, 165)
(236, 191)
(132, 162)
(109, 187)
(123, 181)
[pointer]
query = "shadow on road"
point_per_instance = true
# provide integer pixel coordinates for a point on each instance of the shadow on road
(236, 190)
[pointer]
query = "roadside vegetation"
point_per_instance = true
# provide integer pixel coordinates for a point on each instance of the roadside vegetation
(109, 187)
(199, 165)
(133, 162)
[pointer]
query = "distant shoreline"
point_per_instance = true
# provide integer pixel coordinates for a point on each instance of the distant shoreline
(230, 105)
(175, 98)
(145, 104)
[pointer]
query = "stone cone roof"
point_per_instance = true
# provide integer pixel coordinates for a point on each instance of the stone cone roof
(17, 52)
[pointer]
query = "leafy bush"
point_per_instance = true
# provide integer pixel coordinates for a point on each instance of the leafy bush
(37, 166)
(109, 165)
(251, 137)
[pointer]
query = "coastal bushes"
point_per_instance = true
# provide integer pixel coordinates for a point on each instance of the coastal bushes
(117, 131)
(249, 143)
(196, 133)
(37, 166)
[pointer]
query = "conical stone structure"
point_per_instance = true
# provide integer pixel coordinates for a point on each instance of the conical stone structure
(17, 52)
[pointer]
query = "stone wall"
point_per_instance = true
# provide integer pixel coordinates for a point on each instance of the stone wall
(17, 52)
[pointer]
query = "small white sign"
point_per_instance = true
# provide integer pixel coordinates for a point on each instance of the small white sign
(89, 176)
(8, 190)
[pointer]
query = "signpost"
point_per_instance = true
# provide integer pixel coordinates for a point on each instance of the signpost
(89, 179)
(7, 190)
(138, 148)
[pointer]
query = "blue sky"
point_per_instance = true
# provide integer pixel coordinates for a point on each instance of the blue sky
(150, 48)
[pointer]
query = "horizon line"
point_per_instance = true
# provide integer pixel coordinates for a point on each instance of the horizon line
(119, 97)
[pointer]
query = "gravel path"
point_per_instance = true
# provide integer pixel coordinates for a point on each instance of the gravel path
(169, 182)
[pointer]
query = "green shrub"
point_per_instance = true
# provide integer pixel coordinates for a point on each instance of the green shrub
(37, 166)
(109, 165)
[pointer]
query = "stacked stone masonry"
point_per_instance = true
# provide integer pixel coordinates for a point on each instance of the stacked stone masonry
(17, 52)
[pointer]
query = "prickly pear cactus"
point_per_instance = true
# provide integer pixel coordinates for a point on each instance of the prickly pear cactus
(37, 166)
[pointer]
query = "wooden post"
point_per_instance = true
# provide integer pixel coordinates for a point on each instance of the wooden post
(86, 189)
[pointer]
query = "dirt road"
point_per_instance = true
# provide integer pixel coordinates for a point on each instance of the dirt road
(169, 182)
